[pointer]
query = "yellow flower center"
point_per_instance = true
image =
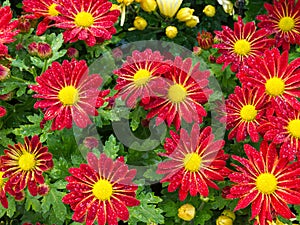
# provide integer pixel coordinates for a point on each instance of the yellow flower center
(248, 113)
(84, 19)
(286, 23)
(275, 86)
(242, 47)
(103, 190)
(27, 161)
(192, 162)
(266, 183)
(141, 77)
(177, 93)
(1, 179)
(52, 11)
(294, 128)
(68, 95)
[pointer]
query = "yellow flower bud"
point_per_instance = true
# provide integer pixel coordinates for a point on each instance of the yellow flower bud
(148, 5)
(140, 23)
(186, 212)
(229, 214)
(115, 7)
(192, 22)
(185, 14)
(209, 10)
(224, 220)
(227, 6)
(125, 2)
(171, 32)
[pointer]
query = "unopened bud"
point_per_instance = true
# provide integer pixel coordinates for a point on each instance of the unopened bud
(192, 22)
(224, 220)
(209, 10)
(171, 32)
(140, 23)
(148, 5)
(44, 50)
(185, 14)
(33, 48)
(186, 212)
(91, 142)
(4, 73)
(72, 53)
(2, 111)
(24, 24)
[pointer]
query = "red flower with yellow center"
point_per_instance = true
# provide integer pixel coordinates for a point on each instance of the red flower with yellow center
(279, 78)
(241, 45)
(68, 93)
(195, 160)
(24, 164)
(244, 113)
(184, 92)
(87, 20)
(283, 20)
(7, 29)
(45, 9)
(267, 181)
(140, 75)
(102, 190)
(283, 128)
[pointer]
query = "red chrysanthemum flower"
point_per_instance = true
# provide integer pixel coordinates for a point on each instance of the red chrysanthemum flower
(183, 95)
(244, 113)
(274, 74)
(3, 198)
(24, 164)
(195, 160)
(140, 75)
(2, 111)
(7, 29)
(266, 180)
(101, 190)
(283, 20)
(68, 93)
(45, 9)
(241, 45)
(283, 128)
(87, 20)
(205, 39)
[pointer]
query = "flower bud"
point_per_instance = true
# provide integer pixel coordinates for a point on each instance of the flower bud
(24, 24)
(171, 32)
(212, 58)
(72, 53)
(32, 48)
(117, 54)
(209, 10)
(44, 50)
(4, 73)
(7, 97)
(205, 40)
(192, 22)
(186, 212)
(2, 112)
(148, 5)
(224, 220)
(197, 50)
(185, 14)
(229, 214)
(140, 23)
(91, 142)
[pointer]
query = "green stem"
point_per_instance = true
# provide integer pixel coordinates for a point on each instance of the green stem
(45, 66)
(19, 79)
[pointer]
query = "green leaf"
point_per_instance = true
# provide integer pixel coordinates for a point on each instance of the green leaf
(147, 211)
(203, 216)
(111, 147)
(11, 207)
(152, 175)
(53, 201)
(136, 115)
(4, 140)
(57, 43)
(32, 203)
